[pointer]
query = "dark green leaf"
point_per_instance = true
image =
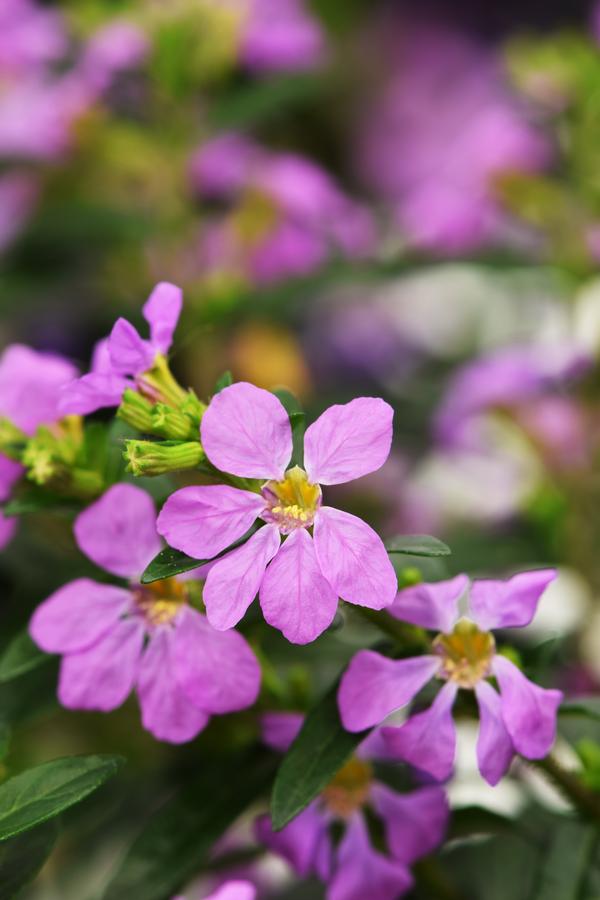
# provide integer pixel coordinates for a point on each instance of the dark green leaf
(565, 861)
(177, 840)
(224, 381)
(319, 751)
(417, 545)
(170, 562)
(45, 791)
(36, 501)
(261, 100)
(588, 707)
(22, 857)
(288, 400)
(298, 423)
(5, 735)
(19, 657)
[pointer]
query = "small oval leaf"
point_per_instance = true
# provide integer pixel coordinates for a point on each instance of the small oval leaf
(45, 791)
(417, 545)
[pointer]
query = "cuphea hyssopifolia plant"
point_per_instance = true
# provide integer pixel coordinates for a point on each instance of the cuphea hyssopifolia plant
(263, 529)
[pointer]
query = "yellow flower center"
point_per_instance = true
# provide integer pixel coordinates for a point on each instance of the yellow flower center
(349, 790)
(160, 602)
(293, 502)
(466, 654)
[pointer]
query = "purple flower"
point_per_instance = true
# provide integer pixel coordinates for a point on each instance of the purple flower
(30, 35)
(288, 214)
(114, 639)
(246, 432)
(509, 377)
(30, 383)
(117, 46)
(231, 890)
(277, 35)
(521, 719)
(437, 168)
(414, 824)
(122, 360)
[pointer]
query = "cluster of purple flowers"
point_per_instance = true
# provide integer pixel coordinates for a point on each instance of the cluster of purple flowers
(174, 642)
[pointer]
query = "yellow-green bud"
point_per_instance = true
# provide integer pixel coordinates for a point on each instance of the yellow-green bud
(136, 411)
(173, 424)
(160, 457)
(12, 440)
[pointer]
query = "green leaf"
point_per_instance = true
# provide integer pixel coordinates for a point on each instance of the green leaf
(319, 751)
(288, 400)
(565, 861)
(261, 100)
(45, 791)
(179, 837)
(171, 562)
(224, 381)
(19, 657)
(588, 707)
(22, 857)
(298, 423)
(36, 501)
(417, 545)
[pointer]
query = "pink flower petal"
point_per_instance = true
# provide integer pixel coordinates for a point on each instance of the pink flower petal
(233, 583)
(353, 559)
(202, 521)
(374, 686)
(162, 311)
(234, 890)
(434, 606)
(509, 604)
(529, 711)
(362, 871)
(279, 730)
(348, 441)
(129, 353)
(77, 615)
(246, 431)
(118, 531)
(428, 740)
(294, 595)
(299, 842)
(91, 392)
(217, 670)
(494, 747)
(103, 676)
(415, 823)
(166, 711)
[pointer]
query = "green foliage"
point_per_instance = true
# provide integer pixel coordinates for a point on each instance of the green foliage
(43, 792)
(417, 545)
(19, 657)
(23, 856)
(170, 562)
(319, 751)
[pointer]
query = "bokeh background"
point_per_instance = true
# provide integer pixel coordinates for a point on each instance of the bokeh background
(357, 197)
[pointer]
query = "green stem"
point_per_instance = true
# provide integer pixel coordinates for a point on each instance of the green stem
(570, 786)
(406, 635)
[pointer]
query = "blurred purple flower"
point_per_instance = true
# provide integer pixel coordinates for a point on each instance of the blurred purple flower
(117, 46)
(521, 719)
(288, 214)
(114, 639)
(443, 128)
(414, 824)
(516, 378)
(277, 35)
(30, 35)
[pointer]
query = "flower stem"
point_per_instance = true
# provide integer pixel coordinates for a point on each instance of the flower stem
(408, 636)
(570, 786)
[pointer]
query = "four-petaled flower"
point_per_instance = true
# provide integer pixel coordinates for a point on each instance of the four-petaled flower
(521, 719)
(121, 360)
(414, 824)
(115, 639)
(246, 432)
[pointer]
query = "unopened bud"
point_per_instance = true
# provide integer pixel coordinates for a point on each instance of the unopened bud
(160, 457)
(136, 411)
(173, 424)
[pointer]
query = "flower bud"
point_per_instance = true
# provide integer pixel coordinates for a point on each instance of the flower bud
(160, 457)
(136, 411)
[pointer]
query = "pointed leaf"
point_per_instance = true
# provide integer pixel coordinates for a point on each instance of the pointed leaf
(22, 857)
(180, 836)
(19, 657)
(320, 750)
(223, 381)
(417, 545)
(45, 791)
